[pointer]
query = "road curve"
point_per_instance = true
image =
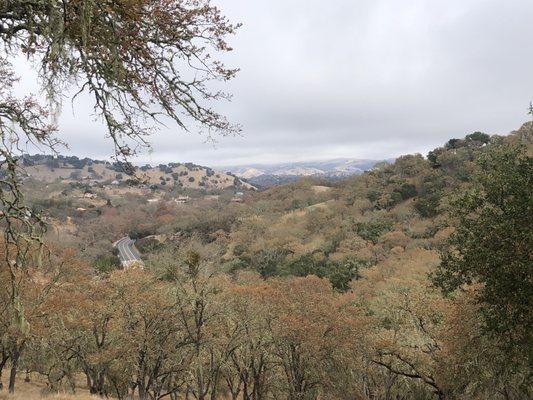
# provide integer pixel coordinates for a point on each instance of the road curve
(127, 252)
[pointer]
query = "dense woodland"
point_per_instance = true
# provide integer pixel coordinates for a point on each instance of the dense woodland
(411, 281)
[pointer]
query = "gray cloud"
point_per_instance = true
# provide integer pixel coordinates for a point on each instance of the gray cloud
(344, 78)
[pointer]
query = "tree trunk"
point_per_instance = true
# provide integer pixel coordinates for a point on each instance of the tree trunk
(89, 382)
(101, 382)
(96, 382)
(13, 373)
(3, 362)
(214, 385)
(245, 395)
(142, 393)
(258, 389)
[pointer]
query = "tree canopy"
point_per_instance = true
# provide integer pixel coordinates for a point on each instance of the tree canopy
(141, 60)
(492, 242)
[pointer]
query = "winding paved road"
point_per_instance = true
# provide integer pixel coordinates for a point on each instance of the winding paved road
(128, 253)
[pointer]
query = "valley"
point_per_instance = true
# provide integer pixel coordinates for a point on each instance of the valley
(357, 223)
(356, 254)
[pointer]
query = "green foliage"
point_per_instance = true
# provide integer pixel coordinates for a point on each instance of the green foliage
(372, 230)
(430, 195)
(407, 191)
(235, 265)
(106, 264)
(342, 273)
(373, 195)
(306, 265)
(492, 243)
(268, 261)
(409, 165)
(142, 231)
(453, 143)
(428, 205)
(148, 245)
(165, 168)
(478, 137)
(433, 158)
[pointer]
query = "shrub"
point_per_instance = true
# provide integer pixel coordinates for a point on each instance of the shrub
(372, 230)
(428, 206)
(107, 263)
(407, 191)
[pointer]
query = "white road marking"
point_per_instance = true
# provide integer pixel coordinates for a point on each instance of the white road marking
(125, 249)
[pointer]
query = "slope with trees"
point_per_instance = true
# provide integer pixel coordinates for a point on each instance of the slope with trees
(304, 291)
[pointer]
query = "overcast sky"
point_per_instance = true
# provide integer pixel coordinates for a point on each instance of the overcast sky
(354, 78)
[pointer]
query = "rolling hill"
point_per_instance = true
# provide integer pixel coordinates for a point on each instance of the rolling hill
(71, 169)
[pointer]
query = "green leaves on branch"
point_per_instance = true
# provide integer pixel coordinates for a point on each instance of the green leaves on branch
(491, 245)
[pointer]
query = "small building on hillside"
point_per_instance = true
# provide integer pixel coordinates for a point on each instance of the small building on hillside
(89, 195)
(181, 199)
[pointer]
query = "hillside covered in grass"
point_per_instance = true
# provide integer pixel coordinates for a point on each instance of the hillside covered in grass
(97, 173)
(410, 281)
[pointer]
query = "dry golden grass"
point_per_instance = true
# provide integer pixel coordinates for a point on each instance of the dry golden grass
(29, 396)
(34, 391)
(44, 174)
(320, 189)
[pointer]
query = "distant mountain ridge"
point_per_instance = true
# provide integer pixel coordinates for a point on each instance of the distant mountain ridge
(273, 174)
(48, 169)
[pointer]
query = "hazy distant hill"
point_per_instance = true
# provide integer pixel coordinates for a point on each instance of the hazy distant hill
(47, 168)
(273, 174)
